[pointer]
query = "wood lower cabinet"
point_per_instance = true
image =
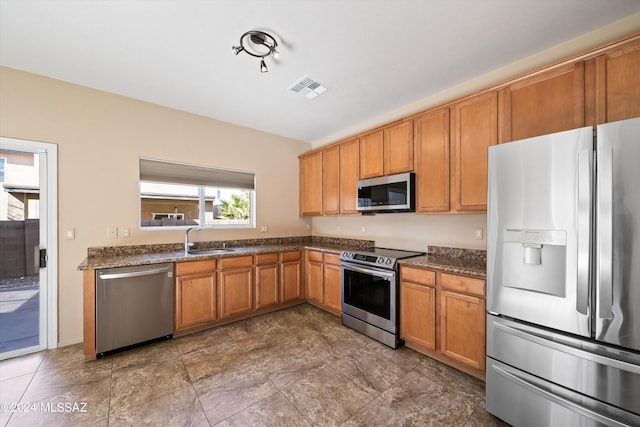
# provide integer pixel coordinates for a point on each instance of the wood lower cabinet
(332, 298)
(314, 271)
(195, 294)
(267, 280)
(291, 276)
(443, 316)
(235, 290)
(323, 280)
(462, 329)
(418, 307)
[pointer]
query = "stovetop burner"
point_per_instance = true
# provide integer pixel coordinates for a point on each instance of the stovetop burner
(378, 257)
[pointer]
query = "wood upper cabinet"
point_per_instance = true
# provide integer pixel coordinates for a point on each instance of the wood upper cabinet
(616, 88)
(349, 175)
(398, 148)
(331, 181)
(290, 276)
(332, 297)
(387, 151)
(311, 184)
(418, 307)
(236, 286)
(546, 102)
(372, 155)
(195, 294)
(314, 275)
(474, 127)
(462, 320)
(431, 132)
(267, 280)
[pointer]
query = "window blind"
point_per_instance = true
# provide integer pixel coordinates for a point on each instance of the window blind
(180, 173)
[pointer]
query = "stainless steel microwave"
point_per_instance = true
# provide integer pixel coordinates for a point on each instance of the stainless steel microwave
(393, 193)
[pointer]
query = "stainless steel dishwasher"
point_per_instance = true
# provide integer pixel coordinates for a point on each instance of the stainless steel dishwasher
(133, 305)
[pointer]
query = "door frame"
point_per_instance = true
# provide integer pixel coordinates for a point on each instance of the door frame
(48, 237)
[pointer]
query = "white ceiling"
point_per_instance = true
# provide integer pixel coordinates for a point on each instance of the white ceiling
(375, 56)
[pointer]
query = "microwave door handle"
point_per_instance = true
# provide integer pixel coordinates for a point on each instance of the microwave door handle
(584, 229)
(604, 266)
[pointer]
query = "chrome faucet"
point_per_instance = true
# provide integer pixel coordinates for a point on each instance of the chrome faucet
(187, 243)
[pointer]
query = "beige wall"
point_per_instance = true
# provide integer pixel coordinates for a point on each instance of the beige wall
(100, 137)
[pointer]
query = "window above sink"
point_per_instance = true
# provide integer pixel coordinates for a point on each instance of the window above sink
(177, 195)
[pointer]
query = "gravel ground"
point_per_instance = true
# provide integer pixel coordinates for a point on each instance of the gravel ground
(19, 282)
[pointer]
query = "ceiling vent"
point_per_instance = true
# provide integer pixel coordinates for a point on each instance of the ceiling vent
(308, 87)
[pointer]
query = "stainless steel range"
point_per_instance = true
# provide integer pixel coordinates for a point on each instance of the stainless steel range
(369, 288)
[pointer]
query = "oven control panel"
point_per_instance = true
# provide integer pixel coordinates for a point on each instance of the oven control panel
(369, 259)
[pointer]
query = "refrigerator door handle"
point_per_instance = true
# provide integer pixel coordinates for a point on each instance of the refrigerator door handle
(531, 383)
(584, 229)
(604, 254)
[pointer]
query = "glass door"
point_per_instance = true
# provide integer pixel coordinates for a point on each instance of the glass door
(28, 297)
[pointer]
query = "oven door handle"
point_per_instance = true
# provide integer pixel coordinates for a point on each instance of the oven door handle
(386, 274)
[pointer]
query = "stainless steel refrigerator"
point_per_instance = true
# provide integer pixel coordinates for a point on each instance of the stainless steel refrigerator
(563, 278)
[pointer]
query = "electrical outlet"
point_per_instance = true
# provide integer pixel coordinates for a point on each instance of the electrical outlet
(364, 229)
(70, 234)
(264, 228)
(338, 228)
(478, 233)
(112, 232)
(123, 232)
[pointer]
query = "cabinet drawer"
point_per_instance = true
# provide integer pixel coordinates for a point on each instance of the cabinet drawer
(194, 267)
(463, 284)
(243, 261)
(267, 259)
(332, 259)
(417, 275)
(291, 256)
(314, 256)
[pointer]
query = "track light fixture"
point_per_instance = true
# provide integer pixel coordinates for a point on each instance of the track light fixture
(259, 45)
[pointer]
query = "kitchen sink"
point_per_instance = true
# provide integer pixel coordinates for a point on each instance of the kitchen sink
(211, 251)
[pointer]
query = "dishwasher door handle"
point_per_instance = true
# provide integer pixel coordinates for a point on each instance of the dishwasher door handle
(135, 273)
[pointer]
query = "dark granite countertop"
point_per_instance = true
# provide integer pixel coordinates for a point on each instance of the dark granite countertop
(124, 256)
(467, 262)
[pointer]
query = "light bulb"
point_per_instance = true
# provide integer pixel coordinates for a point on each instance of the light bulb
(275, 53)
(263, 66)
(237, 49)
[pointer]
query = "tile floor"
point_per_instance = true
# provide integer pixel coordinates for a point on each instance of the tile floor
(295, 367)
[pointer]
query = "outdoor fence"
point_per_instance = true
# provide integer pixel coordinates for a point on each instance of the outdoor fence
(18, 240)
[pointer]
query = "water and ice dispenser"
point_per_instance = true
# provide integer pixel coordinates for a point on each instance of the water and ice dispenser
(535, 260)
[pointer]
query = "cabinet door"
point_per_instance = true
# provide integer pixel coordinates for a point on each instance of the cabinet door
(463, 328)
(349, 174)
(314, 281)
(474, 127)
(267, 285)
(235, 292)
(398, 148)
(372, 155)
(311, 184)
(418, 307)
(332, 295)
(195, 302)
(331, 181)
(547, 102)
(432, 161)
(290, 283)
(617, 76)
